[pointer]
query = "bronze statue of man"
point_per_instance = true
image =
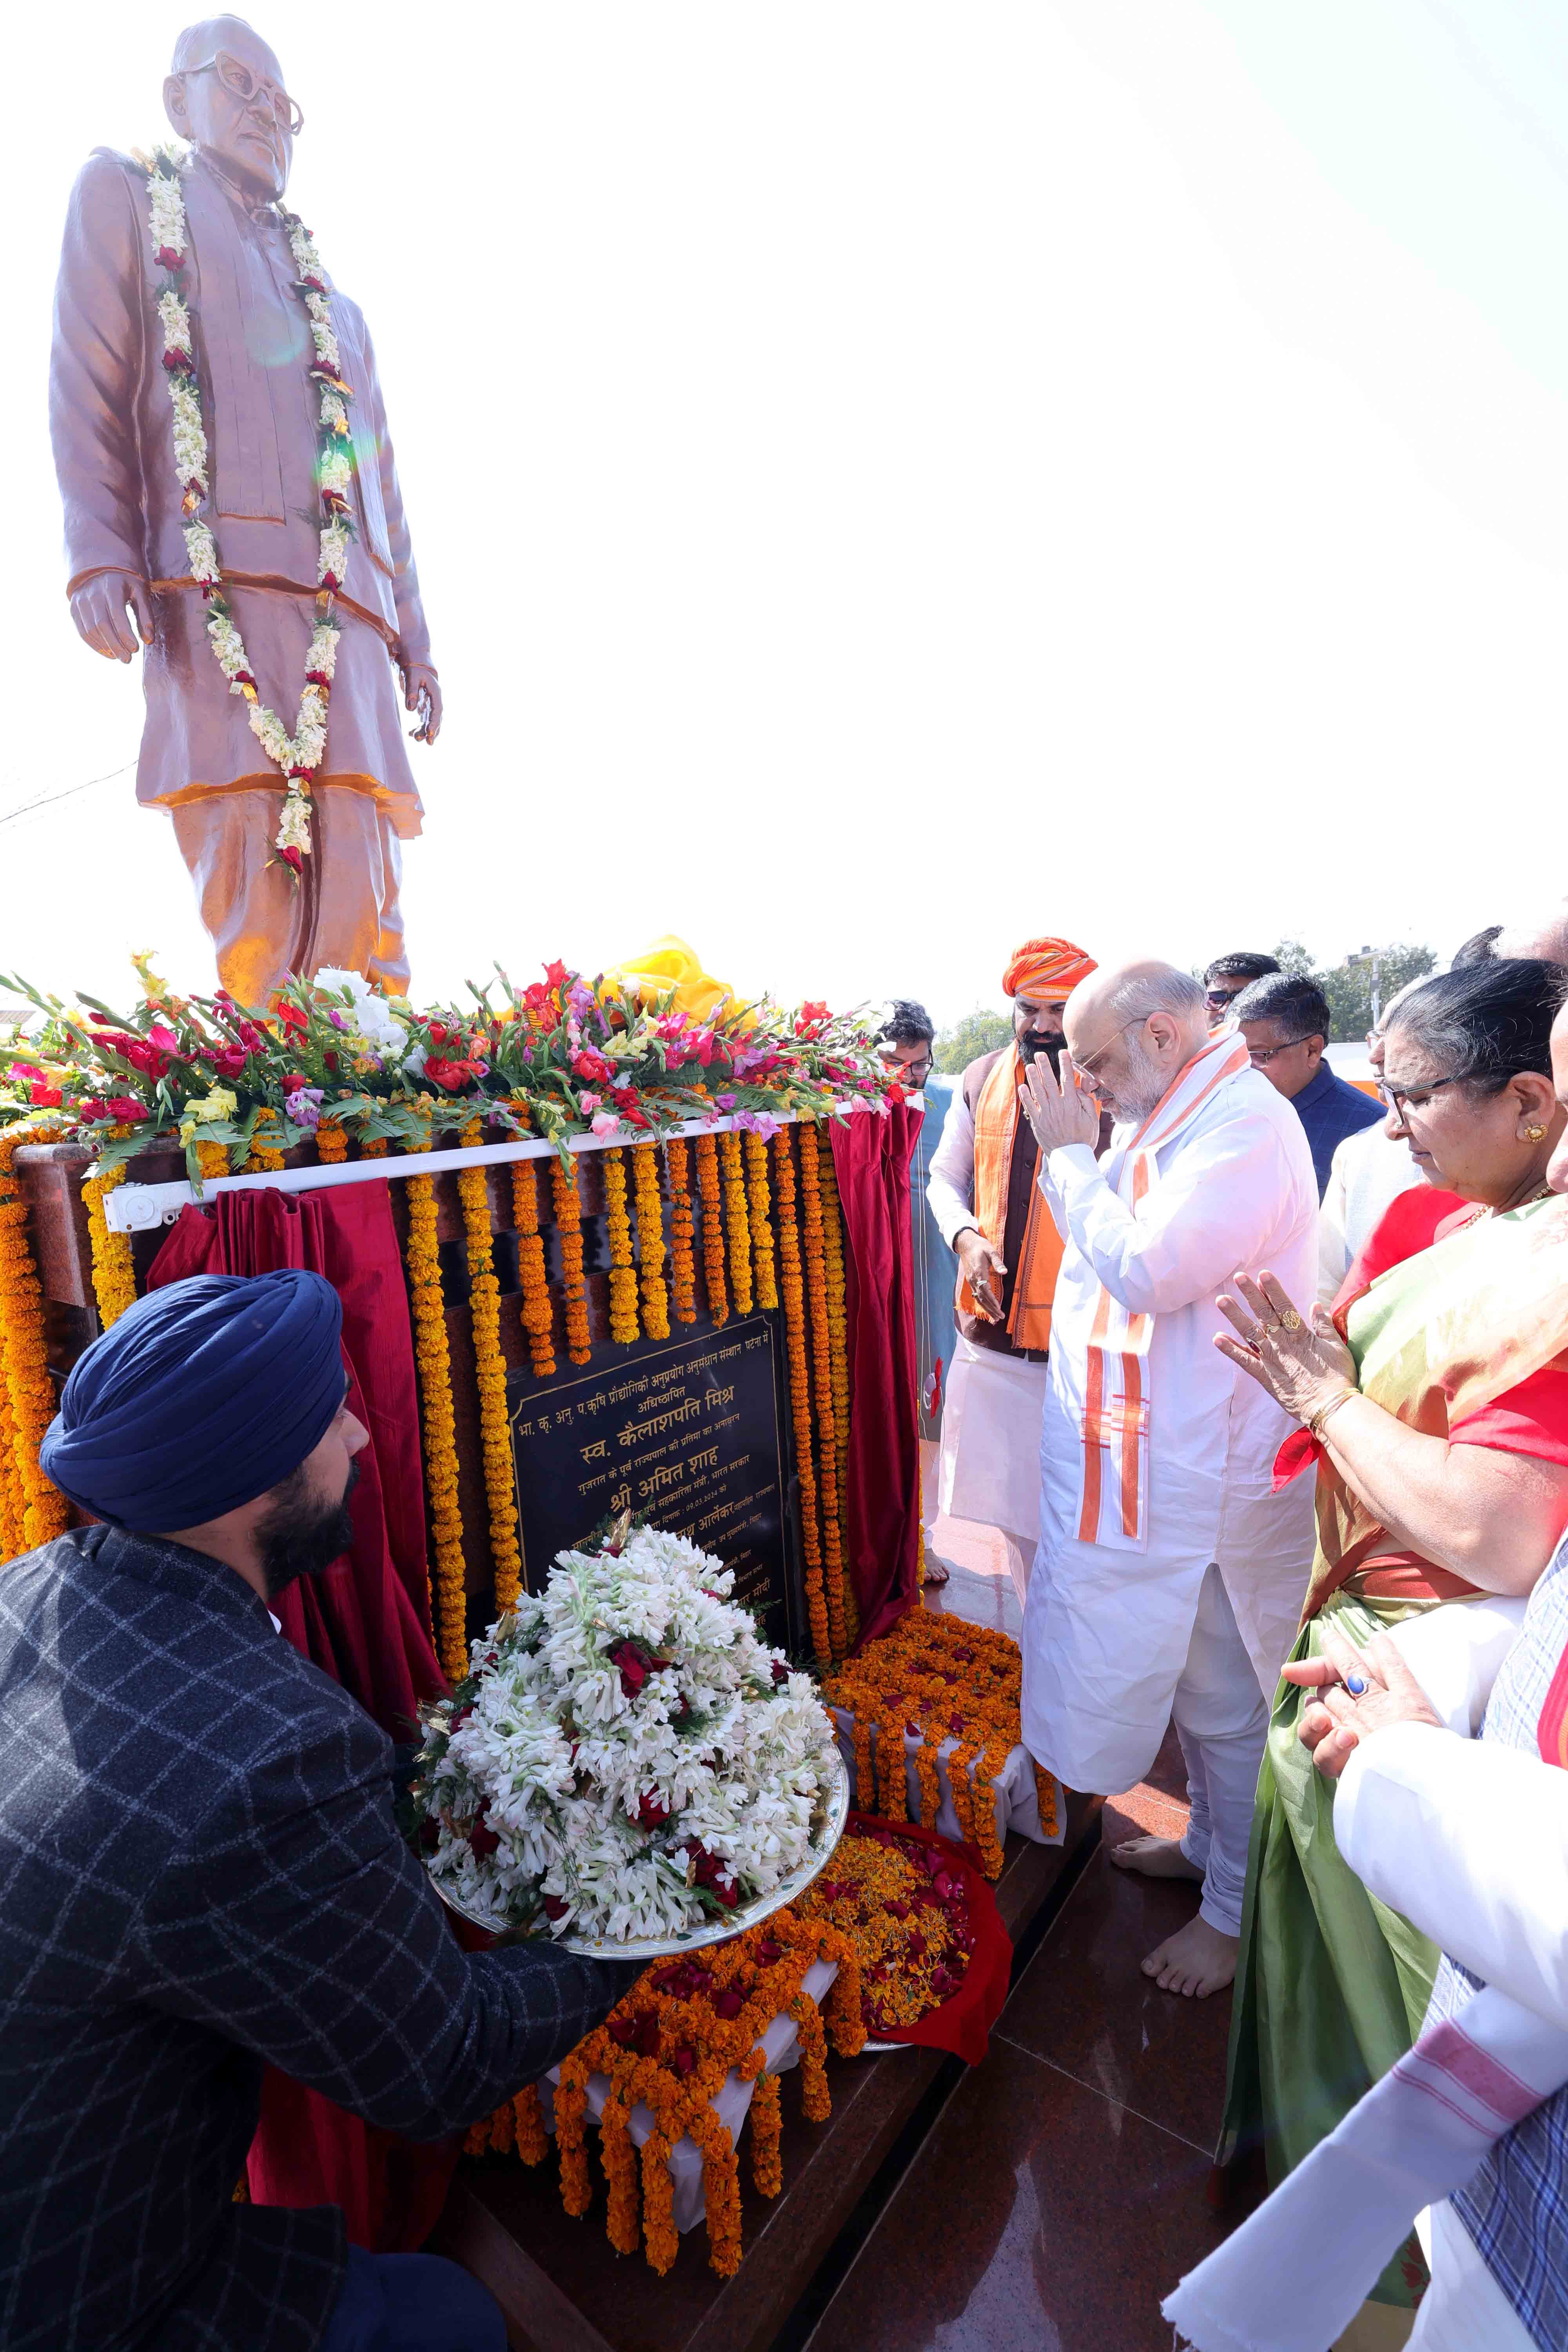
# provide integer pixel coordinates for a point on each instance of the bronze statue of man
(307, 528)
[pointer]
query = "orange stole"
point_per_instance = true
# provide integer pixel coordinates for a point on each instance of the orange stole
(997, 1116)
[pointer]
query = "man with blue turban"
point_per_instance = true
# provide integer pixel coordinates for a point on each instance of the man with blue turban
(201, 1873)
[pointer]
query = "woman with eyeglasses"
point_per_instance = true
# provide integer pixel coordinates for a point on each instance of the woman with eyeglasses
(1435, 1402)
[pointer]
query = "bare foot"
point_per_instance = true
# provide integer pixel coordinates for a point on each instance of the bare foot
(936, 1570)
(1155, 1857)
(1197, 1960)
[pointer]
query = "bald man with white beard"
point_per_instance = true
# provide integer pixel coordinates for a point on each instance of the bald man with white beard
(1170, 1576)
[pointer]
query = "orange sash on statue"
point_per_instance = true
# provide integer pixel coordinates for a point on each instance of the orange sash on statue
(996, 1118)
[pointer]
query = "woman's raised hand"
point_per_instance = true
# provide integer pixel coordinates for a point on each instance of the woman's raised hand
(1301, 1360)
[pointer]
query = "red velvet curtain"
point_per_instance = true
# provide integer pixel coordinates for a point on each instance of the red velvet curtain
(366, 1622)
(882, 1506)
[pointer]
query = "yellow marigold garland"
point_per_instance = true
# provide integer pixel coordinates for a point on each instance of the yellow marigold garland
(618, 1234)
(489, 1364)
(838, 1345)
(34, 1509)
(331, 1143)
(812, 1251)
(766, 2124)
(114, 1272)
(265, 1155)
(735, 1218)
(764, 1253)
(536, 1314)
(713, 1229)
(651, 1241)
(793, 1294)
(944, 1679)
(682, 1265)
(449, 1595)
(569, 1229)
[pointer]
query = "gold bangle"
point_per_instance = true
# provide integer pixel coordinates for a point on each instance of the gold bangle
(1324, 1410)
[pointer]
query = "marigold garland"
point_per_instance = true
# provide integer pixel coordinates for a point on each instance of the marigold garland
(489, 1365)
(941, 1678)
(569, 1232)
(812, 1251)
(264, 1156)
(682, 1265)
(670, 2045)
(33, 1510)
(734, 1177)
(431, 1357)
(791, 1293)
(618, 1235)
(536, 1314)
(651, 1241)
(712, 1230)
(838, 1351)
(212, 1160)
(763, 1252)
(766, 2121)
(114, 1272)
(331, 1143)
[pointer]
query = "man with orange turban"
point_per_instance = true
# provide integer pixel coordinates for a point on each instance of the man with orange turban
(983, 1196)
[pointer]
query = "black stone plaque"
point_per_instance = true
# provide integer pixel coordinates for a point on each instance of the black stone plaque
(683, 1433)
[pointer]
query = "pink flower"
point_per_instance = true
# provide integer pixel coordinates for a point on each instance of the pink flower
(587, 1104)
(726, 1102)
(605, 1122)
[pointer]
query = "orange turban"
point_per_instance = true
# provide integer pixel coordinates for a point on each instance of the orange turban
(1046, 968)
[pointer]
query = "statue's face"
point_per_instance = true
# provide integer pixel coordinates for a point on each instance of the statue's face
(233, 106)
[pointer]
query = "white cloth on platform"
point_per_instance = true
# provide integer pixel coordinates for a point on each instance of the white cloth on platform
(988, 1468)
(1108, 1626)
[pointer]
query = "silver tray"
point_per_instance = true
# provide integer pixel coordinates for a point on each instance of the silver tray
(716, 1931)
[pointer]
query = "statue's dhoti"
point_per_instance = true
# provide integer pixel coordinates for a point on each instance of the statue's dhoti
(343, 912)
(201, 761)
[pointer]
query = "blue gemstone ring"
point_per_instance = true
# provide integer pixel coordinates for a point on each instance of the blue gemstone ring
(1355, 1685)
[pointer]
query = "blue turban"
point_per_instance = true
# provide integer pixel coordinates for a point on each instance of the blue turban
(202, 1396)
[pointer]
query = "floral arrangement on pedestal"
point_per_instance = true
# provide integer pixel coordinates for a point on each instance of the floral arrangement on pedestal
(905, 1910)
(562, 1056)
(668, 2048)
(624, 1758)
(937, 1679)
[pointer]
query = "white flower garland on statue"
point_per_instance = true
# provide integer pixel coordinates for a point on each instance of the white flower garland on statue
(298, 755)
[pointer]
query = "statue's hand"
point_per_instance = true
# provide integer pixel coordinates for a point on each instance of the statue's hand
(422, 693)
(98, 608)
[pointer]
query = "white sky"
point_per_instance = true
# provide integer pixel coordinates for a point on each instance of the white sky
(888, 478)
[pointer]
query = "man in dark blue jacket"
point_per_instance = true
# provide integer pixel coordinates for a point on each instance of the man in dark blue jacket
(201, 1873)
(1285, 1020)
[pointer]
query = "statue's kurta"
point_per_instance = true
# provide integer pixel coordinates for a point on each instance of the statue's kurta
(111, 422)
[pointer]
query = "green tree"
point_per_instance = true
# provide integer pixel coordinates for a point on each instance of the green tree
(979, 1032)
(1348, 986)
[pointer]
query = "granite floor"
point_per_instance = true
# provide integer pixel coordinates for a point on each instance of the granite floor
(1063, 2188)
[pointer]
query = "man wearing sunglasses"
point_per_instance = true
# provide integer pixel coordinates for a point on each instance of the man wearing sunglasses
(1285, 1020)
(129, 578)
(1227, 976)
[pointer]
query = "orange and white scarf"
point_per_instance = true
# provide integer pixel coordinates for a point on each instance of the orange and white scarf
(996, 1118)
(1113, 1497)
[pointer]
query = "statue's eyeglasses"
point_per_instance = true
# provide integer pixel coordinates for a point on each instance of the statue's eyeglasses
(246, 85)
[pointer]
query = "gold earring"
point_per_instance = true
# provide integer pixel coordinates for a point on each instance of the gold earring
(1533, 1134)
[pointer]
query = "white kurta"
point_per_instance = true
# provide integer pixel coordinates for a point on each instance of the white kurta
(1469, 1841)
(1107, 1629)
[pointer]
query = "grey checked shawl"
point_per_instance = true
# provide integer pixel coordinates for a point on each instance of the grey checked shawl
(1516, 2206)
(199, 1872)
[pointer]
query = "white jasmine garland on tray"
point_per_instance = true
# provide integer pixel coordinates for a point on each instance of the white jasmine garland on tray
(626, 1757)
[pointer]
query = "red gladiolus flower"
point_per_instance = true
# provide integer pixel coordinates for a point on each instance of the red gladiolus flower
(231, 1061)
(588, 1063)
(291, 1015)
(556, 975)
(46, 1096)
